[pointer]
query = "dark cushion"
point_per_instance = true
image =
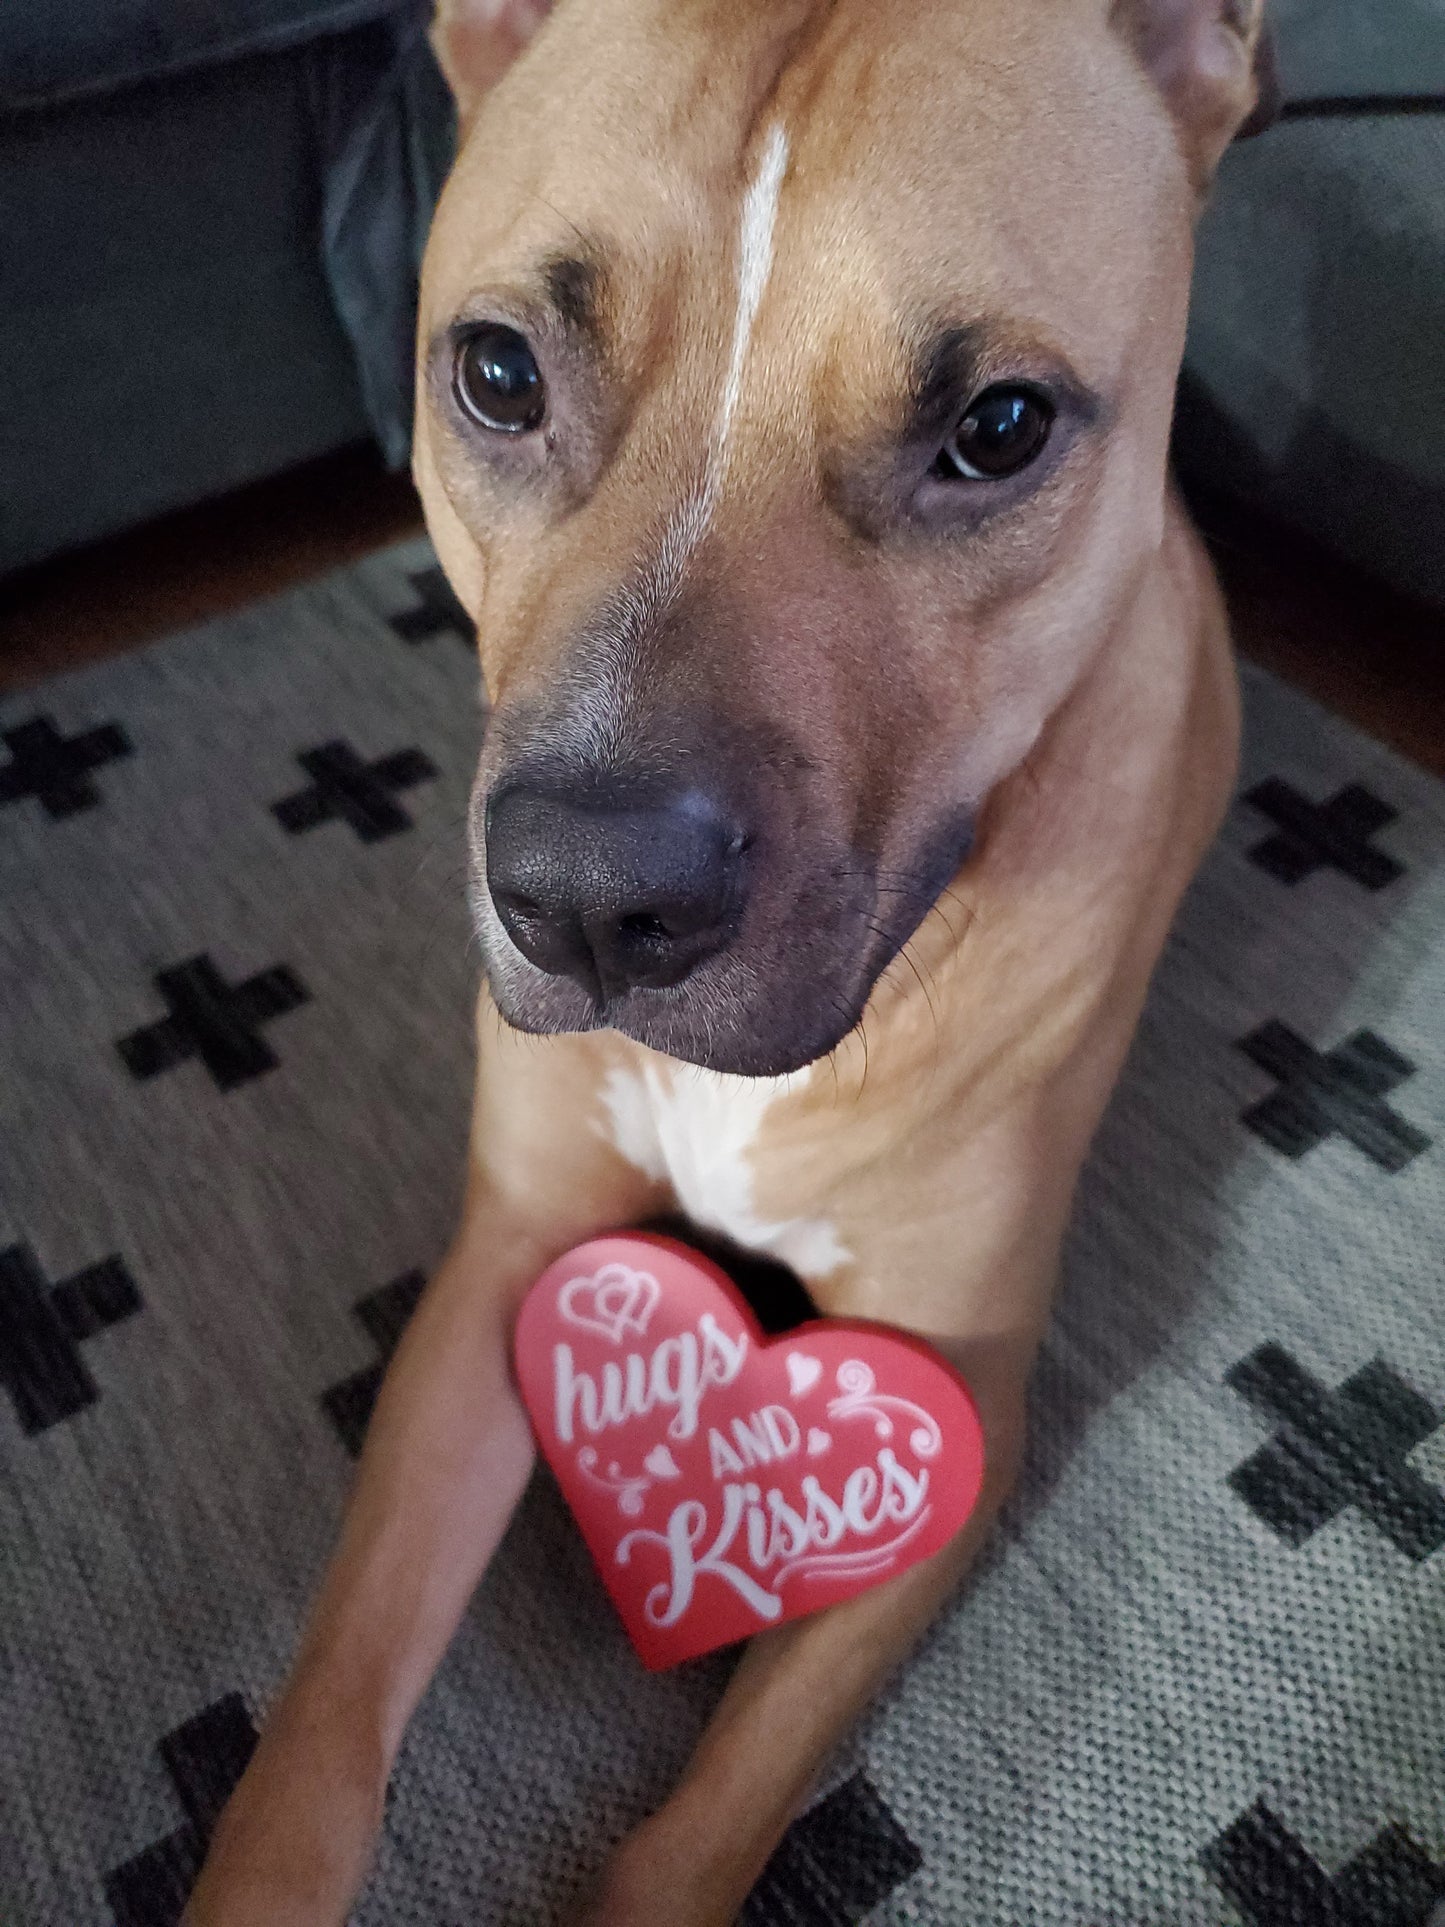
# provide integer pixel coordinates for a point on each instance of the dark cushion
(169, 326)
(1356, 48)
(51, 50)
(1315, 371)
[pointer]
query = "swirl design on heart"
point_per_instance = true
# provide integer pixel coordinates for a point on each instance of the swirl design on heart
(860, 1398)
(628, 1490)
(861, 1564)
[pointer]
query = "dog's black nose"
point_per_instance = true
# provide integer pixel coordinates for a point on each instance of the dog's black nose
(619, 894)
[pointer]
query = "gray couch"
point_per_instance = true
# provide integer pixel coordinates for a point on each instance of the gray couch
(1314, 383)
(211, 212)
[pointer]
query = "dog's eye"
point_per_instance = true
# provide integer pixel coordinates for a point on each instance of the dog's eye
(1002, 432)
(497, 380)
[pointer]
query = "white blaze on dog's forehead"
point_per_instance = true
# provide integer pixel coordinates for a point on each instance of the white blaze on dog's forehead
(694, 1130)
(689, 521)
(755, 264)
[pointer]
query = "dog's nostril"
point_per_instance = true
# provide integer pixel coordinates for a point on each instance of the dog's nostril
(516, 903)
(647, 928)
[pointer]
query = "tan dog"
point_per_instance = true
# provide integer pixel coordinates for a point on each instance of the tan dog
(796, 380)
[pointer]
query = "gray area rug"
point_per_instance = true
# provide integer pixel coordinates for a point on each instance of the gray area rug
(1200, 1677)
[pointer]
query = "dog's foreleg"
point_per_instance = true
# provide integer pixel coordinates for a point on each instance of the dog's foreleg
(446, 1457)
(793, 1697)
(447, 1454)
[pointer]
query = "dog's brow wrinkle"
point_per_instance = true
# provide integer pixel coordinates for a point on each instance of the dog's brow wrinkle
(573, 287)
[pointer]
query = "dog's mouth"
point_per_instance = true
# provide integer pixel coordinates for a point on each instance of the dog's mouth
(720, 949)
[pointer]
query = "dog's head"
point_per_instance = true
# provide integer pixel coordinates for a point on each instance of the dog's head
(793, 406)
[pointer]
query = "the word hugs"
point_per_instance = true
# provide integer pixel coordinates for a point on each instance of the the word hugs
(724, 1482)
(673, 1377)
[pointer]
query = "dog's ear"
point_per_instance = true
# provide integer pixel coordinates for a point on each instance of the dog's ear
(476, 41)
(1213, 63)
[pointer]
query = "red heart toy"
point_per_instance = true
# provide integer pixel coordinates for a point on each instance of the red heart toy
(726, 1482)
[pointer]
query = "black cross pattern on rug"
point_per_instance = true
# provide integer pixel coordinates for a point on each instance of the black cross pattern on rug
(384, 1314)
(1315, 836)
(57, 770)
(43, 1326)
(361, 794)
(437, 609)
(203, 1759)
(215, 1021)
(1322, 1093)
(1275, 1882)
(1338, 1449)
(835, 1864)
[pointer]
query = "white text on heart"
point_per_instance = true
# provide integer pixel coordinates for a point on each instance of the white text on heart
(679, 1372)
(769, 1532)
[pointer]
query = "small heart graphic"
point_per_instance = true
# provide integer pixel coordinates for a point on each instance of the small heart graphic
(616, 1301)
(711, 1503)
(661, 1464)
(803, 1373)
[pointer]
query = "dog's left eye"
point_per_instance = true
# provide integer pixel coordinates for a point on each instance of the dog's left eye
(497, 380)
(1003, 431)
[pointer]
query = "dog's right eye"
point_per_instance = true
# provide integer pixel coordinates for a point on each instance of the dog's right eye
(1004, 429)
(497, 381)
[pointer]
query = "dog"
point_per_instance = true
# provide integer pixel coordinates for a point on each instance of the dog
(794, 397)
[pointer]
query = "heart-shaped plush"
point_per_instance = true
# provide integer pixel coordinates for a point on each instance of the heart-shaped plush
(726, 1482)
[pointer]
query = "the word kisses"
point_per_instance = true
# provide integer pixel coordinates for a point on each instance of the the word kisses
(774, 1534)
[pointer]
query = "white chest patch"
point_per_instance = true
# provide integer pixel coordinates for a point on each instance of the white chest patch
(694, 1130)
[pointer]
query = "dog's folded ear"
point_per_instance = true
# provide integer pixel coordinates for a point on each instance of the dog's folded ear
(476, 41)
(1213, 62)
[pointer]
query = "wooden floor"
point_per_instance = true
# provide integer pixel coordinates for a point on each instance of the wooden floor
(200, 563)
(1360, 648)
(1368, 653)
